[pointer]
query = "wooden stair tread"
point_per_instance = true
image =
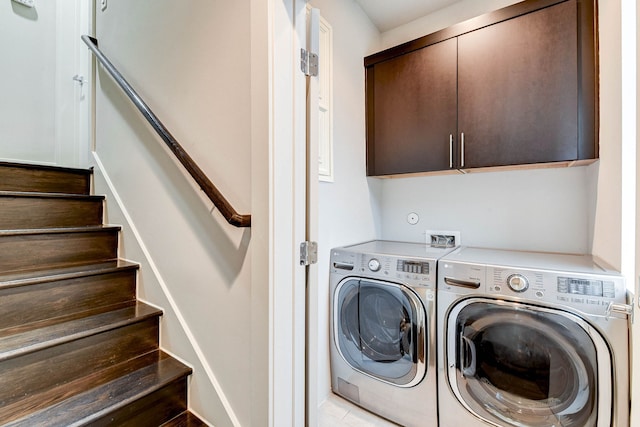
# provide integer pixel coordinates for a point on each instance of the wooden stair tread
(39, 178)
(42, 296)
(33, 166)
(26, 327)
(62, 230)
(34, 373)
(40, 195)
(39, 336)
(62, 272)
(28, 403)
(91, 398)
(23, 210)
(186, 419)
(21, 249)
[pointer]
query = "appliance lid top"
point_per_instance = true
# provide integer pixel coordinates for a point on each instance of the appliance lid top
(402, 249)
(578, 263)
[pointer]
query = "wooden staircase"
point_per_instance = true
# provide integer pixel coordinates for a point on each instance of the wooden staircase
(76, 347)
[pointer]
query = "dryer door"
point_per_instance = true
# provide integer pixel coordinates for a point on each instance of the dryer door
(515, 364)
(380, 330)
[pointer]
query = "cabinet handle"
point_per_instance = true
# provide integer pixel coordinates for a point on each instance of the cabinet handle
(462, 150)
(450, 151)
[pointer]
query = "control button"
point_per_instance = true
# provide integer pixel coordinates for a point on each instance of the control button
(497, 288)
(518, 283)
(374, 264)
(539, 294)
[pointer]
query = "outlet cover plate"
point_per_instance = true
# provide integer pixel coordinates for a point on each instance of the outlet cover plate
(442, 238)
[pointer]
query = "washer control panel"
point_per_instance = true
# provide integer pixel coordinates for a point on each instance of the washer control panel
(409, 266)
(410, 271)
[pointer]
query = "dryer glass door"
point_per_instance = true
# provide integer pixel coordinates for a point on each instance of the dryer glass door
(378, 330)
(522, 365)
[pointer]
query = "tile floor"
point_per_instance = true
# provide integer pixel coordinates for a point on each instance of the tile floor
(337, 412)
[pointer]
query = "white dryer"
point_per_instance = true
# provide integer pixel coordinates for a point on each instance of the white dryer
(531, 339)
(383, 348)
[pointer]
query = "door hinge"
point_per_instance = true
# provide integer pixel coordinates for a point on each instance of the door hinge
(308, 63)
(308, 253)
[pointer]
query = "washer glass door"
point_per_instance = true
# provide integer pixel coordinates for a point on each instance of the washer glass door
(520, 365)
(379, 330)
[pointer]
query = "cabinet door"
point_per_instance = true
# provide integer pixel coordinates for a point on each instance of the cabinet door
(518, 89)
(411, 111)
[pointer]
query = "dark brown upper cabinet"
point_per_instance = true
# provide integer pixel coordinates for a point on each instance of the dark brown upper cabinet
(415, 118)
(513, 87)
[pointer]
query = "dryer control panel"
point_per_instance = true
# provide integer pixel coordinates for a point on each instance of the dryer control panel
(567, 282)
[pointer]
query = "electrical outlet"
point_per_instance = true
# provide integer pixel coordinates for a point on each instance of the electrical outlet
(443, 239)
(103, 4)
(28, 3)
(413, 218)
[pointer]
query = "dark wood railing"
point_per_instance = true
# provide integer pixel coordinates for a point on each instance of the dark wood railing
(219, 201)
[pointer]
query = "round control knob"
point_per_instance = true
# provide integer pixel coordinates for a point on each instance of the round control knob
(518, 283)
(374, 264)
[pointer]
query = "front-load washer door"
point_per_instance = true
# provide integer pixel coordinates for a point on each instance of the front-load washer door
(379, 329)
(513, 364)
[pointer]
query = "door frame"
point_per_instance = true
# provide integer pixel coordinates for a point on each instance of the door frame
(312, 136)
(279, 187)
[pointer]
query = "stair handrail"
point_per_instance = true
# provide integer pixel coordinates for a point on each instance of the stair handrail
(219, 201)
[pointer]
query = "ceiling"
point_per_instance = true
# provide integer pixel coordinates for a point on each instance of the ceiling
(389, 14)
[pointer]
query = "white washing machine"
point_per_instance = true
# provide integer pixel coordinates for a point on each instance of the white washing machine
(531, 339)
(383, 347)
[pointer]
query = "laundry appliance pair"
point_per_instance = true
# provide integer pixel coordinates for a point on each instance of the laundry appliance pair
(515, 339)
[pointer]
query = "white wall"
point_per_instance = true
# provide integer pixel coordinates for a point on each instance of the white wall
(191, 61)
(349, 206)
(27, 82)
(261, 152)
(617, 214)
(542, 210)
(608, 213)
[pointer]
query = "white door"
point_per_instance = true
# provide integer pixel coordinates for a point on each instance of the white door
(28, 44)
(72, 88)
